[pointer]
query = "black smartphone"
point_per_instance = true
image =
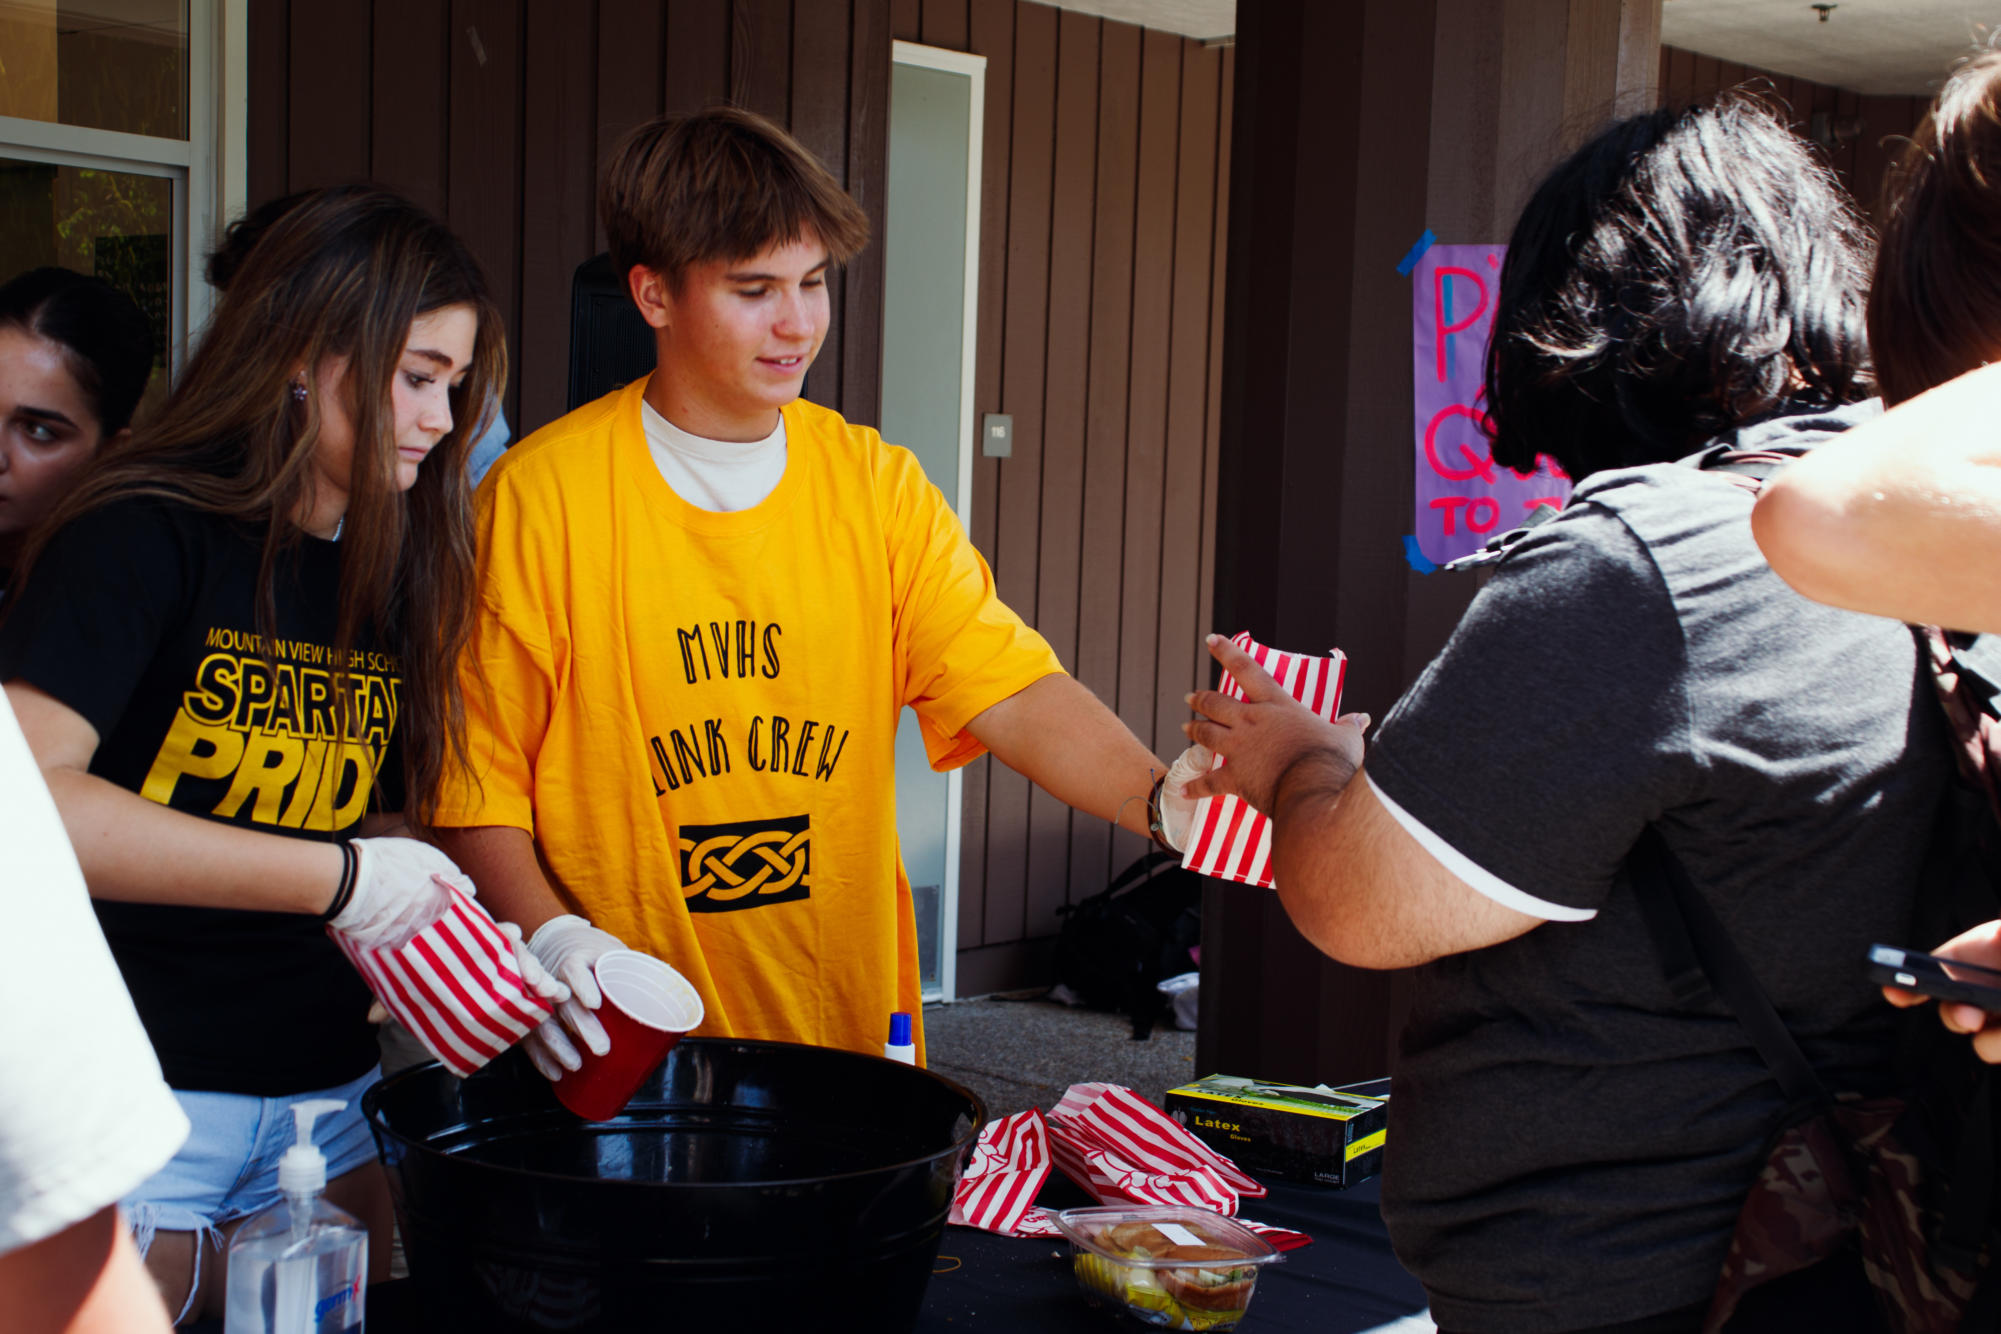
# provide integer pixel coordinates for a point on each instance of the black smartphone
(1941, 979)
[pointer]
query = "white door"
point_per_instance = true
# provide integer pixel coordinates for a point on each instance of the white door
(931, 256)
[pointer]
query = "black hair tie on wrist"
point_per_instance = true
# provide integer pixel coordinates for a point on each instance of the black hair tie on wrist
(350, 869)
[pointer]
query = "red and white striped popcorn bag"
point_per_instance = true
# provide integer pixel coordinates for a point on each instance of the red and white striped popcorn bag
(1008, 1166)
(1232, 841)
(454, 985)
(1124, 1150)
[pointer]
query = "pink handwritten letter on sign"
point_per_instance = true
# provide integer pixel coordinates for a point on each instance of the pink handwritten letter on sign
(1463, 496)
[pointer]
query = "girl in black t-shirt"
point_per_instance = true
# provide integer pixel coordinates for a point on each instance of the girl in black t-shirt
(232, 650)
(74, 357)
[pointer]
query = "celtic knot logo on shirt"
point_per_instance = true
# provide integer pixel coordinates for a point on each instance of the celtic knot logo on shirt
(749, 864)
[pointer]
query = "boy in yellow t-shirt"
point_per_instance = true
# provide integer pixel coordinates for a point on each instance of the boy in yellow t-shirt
(704, 603)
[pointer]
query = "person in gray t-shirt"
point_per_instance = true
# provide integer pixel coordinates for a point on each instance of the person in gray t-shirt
(1569, 1145)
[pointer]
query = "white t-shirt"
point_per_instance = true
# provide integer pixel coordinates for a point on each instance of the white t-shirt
(718, 475)
(84, 1114)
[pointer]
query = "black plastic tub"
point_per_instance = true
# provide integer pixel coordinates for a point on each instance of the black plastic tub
(747, 1185)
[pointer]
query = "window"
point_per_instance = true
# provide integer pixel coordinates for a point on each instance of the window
(121, 130)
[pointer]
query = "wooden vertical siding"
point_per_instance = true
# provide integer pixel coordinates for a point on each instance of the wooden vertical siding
(1873, 126)
(1360, 124)
(1101, 283)
(1102, 230)
(497, 114)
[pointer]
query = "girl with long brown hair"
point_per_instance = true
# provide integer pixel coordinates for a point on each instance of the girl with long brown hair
(231, 649)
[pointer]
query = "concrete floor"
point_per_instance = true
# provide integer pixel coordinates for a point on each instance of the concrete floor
(1018, 1054)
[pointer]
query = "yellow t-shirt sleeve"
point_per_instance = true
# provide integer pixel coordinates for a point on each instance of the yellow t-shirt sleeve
(961, 649)
(508, 675)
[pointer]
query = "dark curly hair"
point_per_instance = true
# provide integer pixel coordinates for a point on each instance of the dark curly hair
(1683, 273)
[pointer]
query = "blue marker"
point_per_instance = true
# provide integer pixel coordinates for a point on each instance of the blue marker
(900, 1047)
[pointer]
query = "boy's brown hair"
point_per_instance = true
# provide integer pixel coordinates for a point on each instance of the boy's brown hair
(1935, 306)
(724, 184)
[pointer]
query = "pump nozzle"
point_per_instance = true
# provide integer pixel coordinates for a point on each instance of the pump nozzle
(303, 1169)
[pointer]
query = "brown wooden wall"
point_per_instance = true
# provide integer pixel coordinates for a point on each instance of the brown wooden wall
(1101, 270)
(1101, 280)
(1859, 159)
(1359, 124)
(496, 113)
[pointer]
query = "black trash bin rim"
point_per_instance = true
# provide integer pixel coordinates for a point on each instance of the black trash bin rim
(371, 1108)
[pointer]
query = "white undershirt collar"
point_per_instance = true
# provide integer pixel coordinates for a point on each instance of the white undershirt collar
(721, 476)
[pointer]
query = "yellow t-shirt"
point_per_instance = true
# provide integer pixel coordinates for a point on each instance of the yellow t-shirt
(695, 713)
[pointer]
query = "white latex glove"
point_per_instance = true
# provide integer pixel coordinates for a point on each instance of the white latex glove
(401, 886)
(533, 975)
(568, 947)
(1177, 808)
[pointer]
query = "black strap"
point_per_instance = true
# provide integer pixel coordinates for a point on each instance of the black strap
(1686, 981)
(1684, 929)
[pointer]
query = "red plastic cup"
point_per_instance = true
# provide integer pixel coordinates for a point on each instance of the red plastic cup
(647, 1007)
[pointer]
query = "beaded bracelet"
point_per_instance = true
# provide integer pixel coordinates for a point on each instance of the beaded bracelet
(350, 868)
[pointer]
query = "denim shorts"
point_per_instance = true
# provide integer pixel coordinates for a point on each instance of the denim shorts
(229, 1166)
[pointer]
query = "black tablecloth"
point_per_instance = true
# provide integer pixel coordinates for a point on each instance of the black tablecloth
(1345, 1282)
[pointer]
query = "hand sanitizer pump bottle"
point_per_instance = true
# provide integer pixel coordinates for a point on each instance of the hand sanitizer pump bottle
(300, 1266)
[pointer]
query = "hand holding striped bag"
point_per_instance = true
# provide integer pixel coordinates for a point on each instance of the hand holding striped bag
(1232, 841)
(458, 985)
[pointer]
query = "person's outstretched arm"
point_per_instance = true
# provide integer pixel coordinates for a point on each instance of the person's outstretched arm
(1354, 881)
(1900, 516)
(501, 860)
(1062, 738)
(135, 849)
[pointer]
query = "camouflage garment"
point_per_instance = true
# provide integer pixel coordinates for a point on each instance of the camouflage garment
(1842, 1177)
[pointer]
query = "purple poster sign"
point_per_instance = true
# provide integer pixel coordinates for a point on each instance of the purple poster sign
(1463, 496)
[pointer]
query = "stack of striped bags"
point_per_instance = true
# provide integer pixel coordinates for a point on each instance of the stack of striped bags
(1116, 1145)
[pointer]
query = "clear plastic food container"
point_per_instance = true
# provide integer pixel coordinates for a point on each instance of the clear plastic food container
(1172, 1266)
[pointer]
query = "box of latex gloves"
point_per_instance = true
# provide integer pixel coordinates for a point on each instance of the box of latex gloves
(1330, 1136)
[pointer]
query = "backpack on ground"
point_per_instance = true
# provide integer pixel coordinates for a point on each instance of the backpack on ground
(1116, 946)
(1905, 1183)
